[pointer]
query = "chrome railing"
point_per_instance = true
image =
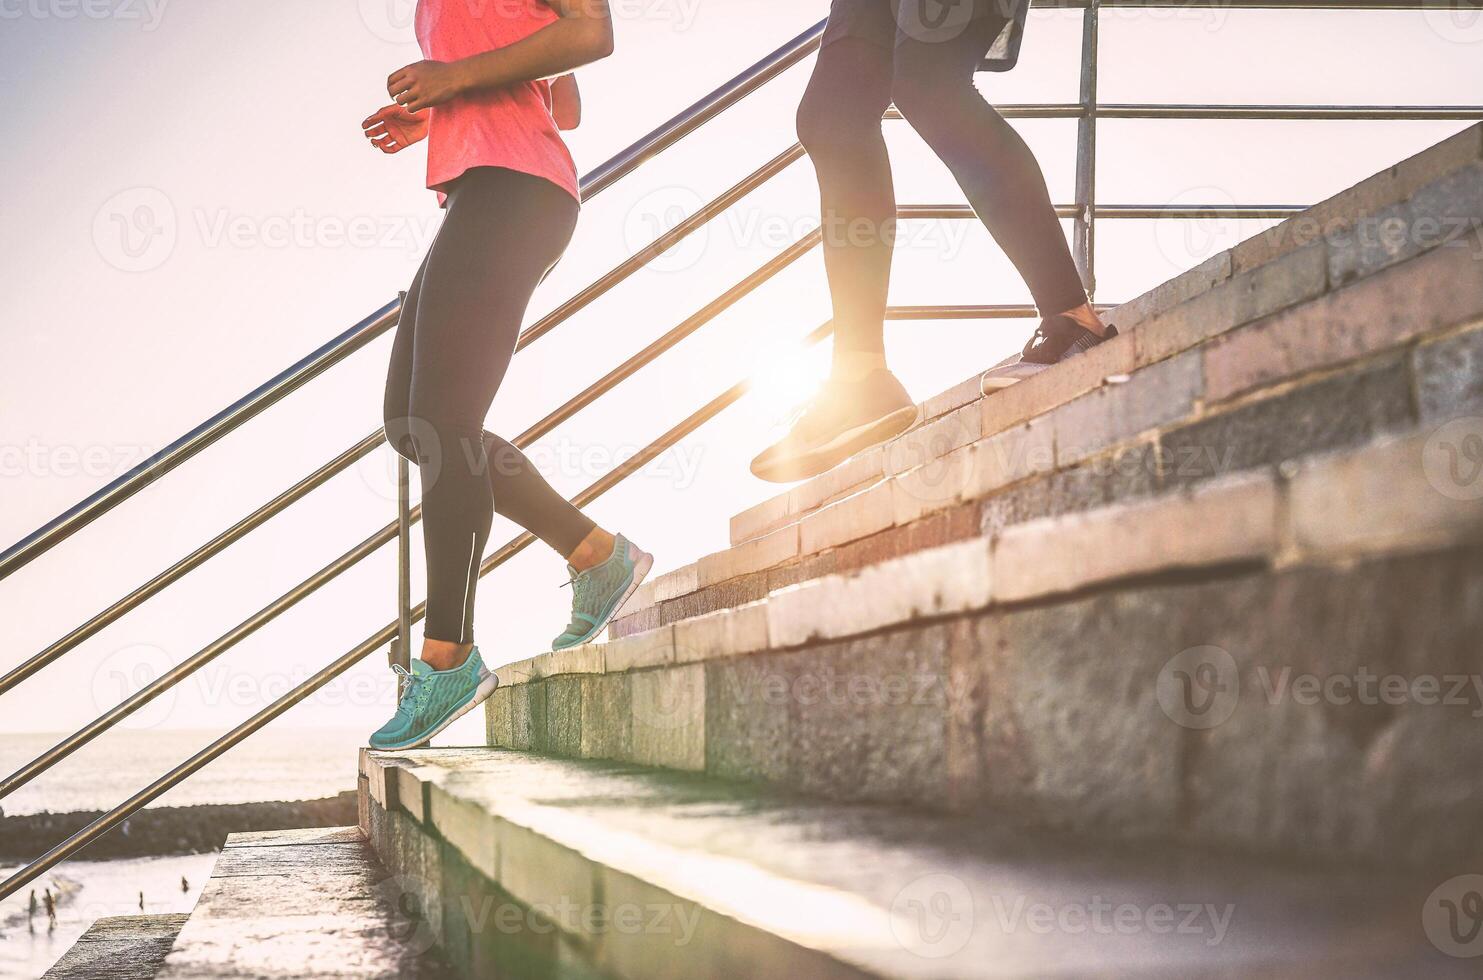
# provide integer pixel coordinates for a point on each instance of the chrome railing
(1083, 211)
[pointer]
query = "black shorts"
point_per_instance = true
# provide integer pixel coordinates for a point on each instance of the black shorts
(888, 23)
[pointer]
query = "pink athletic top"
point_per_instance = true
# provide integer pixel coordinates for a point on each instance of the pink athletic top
(509, 127)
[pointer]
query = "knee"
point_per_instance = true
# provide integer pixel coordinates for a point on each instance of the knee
(830, 129)
(399, 432)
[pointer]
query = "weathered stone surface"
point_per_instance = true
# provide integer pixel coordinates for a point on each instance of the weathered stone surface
(1040, 393)
(1338, 412)
(564, 715)
(1072, 736)
(746, 719)
(1398, 495)
(1157, 395)
(641, 650)
(851, 518)
(1228, 521)
(1123, 475)
(1449, 377)
(1172, 293)
(669, 717)
(1439, 290)
(126, 947)
(497, 721)
(607, 717)
(1285, 281)
(696, 877)
(320, 910)
(867, 718)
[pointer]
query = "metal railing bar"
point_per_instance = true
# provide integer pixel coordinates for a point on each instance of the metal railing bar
(660, 245)
(711, 310)
(997, 311)
(1311, 112)
(1249, 4)
(703, 111)
(199, 659)
(90, 508)
(381, 637)
(920, 212)
(46, 537)
(191, 562)
(1217, 110)
(194, 764)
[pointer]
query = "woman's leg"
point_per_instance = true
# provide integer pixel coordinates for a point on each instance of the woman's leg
(934, 89)
(839, 124)
(503, 231)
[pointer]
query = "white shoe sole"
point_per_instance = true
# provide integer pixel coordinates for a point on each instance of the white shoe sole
(849, 443)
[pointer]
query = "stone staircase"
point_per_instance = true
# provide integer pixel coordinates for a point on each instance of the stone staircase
(1187, 623)
(1163, 663)
(1261, 486)
(280, 904)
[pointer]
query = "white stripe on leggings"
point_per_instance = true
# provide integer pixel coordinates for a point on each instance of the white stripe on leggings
(468, 585)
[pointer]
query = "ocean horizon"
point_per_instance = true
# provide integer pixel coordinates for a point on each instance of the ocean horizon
(272, 765)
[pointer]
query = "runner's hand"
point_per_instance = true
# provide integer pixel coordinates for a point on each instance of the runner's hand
(393, 129)
(424, 84)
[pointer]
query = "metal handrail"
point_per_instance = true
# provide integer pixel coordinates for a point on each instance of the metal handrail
(80, 515)
(60, 528)
(1087, 111)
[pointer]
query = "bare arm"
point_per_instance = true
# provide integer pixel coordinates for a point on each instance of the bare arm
(566, 102)
(581, 34)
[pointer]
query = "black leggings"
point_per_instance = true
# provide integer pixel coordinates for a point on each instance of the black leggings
(932, 83)
(462, 314)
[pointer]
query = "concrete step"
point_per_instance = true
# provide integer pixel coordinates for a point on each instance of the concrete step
(544, 868)
(302, 903)
(123, 947)
(1040, 671)
(1308, 337)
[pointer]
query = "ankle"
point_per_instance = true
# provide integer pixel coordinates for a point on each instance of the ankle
(445, 655)
(1086, 316)
(595, 549)
(855, 365)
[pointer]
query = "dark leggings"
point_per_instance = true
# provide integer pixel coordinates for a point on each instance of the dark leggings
(932, 83)
(462, 314)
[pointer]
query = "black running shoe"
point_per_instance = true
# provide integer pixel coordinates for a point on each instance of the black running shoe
(841, 420)
(1058, 339)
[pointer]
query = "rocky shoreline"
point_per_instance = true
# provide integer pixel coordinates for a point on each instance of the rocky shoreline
(169, 829)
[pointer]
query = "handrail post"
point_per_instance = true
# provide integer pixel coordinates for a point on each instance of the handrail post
(1083, 239)
(401, 647)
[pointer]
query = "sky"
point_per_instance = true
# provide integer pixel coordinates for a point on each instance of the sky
(237, 124)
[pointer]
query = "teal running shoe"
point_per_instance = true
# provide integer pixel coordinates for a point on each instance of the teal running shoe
(602, 590)
(433, 700)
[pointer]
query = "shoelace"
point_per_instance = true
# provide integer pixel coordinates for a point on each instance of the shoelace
(416, 691)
